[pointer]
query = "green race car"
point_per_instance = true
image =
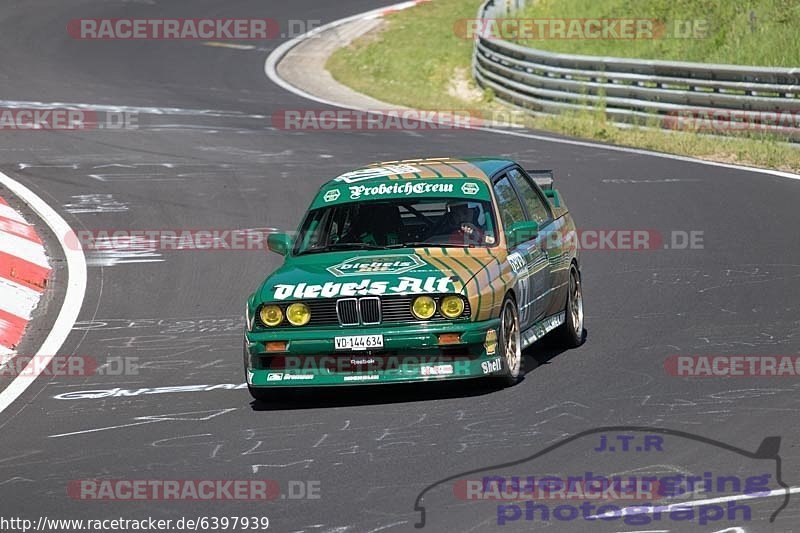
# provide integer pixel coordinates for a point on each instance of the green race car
(417, 270)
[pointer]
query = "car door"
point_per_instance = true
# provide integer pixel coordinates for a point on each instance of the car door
(527, 259)
(537, 209)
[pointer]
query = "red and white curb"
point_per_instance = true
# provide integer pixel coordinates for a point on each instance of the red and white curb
(75, 281)
(24, 270)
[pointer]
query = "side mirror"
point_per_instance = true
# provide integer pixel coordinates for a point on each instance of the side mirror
(520, 232)
(280, 243)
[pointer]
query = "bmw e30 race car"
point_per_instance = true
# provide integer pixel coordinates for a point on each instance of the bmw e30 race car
(417, 270)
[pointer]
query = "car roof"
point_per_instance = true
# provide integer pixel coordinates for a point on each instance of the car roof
(471, 168)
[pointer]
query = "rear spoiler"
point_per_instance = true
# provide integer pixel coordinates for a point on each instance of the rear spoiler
(544, 179)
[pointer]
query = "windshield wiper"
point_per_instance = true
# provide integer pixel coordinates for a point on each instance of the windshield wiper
(343, 246)
(421, 244)
(367, 246)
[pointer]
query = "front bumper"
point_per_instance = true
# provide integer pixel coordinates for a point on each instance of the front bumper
(411, 352)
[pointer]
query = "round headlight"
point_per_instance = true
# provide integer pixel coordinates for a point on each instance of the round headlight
(298, 314)
(423, 307)
(452, 306)
(271, 315)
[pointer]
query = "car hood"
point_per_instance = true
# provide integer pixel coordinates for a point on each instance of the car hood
(375, 273)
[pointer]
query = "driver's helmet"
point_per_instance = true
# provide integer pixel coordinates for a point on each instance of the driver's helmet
(465, 211)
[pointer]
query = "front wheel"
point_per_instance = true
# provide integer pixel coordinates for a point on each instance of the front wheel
(571, 332)
(510, 344)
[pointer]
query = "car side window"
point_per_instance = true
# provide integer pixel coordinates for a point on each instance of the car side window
(508, 203)
(535, 204)
(316, 234)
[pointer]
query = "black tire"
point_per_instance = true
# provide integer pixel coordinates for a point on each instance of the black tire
(571, 333)
(510, 344)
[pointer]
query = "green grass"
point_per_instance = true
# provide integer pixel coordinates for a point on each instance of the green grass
(743, 32)
(411, 61)
(415, 58)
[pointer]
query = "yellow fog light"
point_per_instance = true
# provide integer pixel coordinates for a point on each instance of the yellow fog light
(452, 306)
(271, 315)
(298, 314)
(423, 307)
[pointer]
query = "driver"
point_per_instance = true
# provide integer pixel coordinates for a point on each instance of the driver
(460, 221)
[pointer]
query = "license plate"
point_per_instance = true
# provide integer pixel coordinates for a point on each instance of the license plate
(359, 342)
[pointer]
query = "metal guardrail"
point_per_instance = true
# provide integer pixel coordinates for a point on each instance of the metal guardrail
(675, 95)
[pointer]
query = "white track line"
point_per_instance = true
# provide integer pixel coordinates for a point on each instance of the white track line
(73, 299)
(271, 71)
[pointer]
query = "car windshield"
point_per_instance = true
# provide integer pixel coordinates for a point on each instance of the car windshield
(451, 222)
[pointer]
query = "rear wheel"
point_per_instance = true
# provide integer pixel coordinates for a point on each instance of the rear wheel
(571, 331)
(510, 343)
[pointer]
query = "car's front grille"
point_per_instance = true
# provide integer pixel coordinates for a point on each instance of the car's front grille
(397, 309)
(367, 310)
(370, 310)
(347, 309)
(359, 311)
(323, 312)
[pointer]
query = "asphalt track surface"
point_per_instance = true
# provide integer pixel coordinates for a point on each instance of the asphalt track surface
(371, 450)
